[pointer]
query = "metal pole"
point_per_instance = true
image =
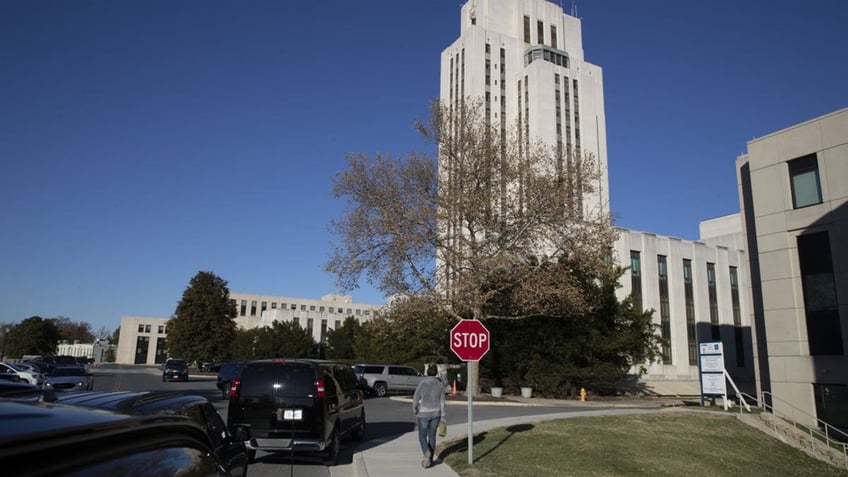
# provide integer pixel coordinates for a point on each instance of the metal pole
(469, 390)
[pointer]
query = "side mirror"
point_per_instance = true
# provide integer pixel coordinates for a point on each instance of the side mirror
(241, 433)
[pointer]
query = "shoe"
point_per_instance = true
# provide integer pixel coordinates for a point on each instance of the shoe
(426, 462)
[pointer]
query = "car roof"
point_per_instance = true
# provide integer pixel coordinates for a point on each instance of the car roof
(129, 402)
(76, 436)
(293, 360)
(12, 390)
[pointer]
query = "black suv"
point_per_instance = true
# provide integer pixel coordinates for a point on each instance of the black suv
(228, 371)
(175, 369)
(229, 451)
(40, 439)
(297, 405)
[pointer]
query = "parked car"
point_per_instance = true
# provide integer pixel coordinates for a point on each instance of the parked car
(297, 405)
(229, 451)
(175, 370)
(214, 367)
(382, 379)
(26, 373)
(69, 379)
(43, 367)
(9, 375)
(40, 439)
(24, 391)
(226, 373)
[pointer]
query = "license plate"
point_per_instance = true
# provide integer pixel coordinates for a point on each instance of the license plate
(290, 414)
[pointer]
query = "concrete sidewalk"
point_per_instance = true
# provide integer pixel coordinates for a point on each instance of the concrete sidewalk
(400, 456)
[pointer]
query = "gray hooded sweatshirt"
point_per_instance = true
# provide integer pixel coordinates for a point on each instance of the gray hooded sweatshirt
(429, 398)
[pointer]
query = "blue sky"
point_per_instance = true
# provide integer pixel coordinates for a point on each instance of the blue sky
(143, 141)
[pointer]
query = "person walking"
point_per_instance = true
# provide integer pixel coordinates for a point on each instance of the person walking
(428, 406)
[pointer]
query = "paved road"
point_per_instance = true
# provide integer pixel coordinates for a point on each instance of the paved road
(387, 418)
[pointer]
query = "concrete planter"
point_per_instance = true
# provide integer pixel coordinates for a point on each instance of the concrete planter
(526, 391)
(497, 391)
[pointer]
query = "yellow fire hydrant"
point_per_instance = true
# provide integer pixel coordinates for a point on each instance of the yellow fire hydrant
(582, 394)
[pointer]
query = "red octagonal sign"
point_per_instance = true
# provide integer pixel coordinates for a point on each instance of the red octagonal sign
(469, 339)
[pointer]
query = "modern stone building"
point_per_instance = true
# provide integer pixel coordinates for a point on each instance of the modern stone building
(144, 339)
(793, 189)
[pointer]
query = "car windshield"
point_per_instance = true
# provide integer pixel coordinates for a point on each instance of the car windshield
(69, 372)
(175, 363)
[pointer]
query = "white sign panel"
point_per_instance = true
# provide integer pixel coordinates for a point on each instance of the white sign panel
(711, 348)
(712, 363)
(713, 383)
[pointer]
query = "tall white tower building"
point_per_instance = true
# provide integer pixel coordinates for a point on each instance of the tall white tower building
(524, 59)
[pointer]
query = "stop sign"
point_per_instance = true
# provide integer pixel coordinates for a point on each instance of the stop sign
(469, 340)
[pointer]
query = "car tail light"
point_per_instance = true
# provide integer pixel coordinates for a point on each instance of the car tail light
(234, 387)
(319, 388)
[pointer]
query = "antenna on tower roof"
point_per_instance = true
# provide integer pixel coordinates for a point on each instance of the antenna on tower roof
(574, 8)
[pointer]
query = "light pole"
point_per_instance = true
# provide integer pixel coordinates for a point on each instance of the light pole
(4, 331)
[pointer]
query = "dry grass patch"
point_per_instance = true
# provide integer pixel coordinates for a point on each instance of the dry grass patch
(657, 444)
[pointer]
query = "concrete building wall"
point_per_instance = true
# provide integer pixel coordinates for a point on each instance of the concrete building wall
(144, 339)
(328, 313)
(794, 368)
(680, 374)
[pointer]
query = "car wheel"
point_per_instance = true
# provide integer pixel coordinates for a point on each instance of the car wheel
(380, 389)
(358, 433)
(225, 392)
(331, 455)
(251, 456)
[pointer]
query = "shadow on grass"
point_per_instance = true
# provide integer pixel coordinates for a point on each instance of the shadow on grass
(462, 445)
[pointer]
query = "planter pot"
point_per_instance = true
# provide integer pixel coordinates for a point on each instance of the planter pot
(497, 391)
(526, 391)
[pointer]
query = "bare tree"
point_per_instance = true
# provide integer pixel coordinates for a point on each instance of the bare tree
(495, 213)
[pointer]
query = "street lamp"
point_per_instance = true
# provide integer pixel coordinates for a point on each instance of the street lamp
(4, 332)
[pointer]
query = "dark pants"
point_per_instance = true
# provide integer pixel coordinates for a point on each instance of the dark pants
(427, 434)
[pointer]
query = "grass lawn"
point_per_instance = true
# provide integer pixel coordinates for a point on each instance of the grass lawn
(664, 443)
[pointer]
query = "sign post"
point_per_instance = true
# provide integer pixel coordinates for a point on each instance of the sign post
(469, 340)
(712, 370)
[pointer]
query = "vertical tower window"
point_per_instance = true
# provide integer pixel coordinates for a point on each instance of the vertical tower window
(737, 318)
(243, 308)
(713, 294)
(526, 29)
(665, 311)
(253, 308)
(804, 180)
(553, 36)
(540, 33)
(691, 327)
(636, 279)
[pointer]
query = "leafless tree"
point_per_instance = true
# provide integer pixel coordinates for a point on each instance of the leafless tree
(495, 212)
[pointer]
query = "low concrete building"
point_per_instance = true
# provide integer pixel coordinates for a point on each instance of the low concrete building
(144, 339)
(698, 291)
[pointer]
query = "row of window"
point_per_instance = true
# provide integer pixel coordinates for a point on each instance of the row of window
(320, 308)
(689, 297)
(144, 328)
(540, 32)
(545, 53)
